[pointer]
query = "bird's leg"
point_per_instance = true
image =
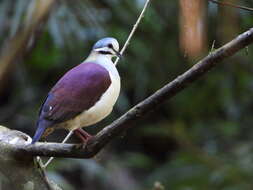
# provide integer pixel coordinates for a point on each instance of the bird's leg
(83, 135)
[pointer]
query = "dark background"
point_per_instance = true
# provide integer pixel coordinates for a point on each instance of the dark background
(200, 139)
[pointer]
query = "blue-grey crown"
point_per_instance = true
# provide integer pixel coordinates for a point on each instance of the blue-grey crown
(104, 42)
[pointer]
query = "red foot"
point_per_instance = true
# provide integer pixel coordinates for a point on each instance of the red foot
(83, 135)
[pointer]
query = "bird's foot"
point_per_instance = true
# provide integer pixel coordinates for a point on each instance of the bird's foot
(83, 135)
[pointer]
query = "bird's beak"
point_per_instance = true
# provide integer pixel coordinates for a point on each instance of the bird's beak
(117, 53)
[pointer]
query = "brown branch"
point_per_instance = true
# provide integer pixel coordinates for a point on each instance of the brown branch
(231, 5)
(149, 104)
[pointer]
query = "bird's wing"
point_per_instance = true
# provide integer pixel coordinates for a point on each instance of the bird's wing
(77, 91)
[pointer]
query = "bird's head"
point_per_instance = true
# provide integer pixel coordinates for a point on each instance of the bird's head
(107, 46)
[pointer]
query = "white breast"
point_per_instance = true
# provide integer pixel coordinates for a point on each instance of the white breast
(102, 108)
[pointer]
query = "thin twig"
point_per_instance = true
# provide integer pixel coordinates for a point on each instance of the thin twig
(133, 30)
(231, 5)
(64, 140)
(212, 48)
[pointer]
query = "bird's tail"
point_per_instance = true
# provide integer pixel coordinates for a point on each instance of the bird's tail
(39, 132)
(42, 128)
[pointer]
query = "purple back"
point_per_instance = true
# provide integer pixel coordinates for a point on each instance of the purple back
(78, 90)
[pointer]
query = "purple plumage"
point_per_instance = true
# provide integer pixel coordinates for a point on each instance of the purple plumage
(78, 90)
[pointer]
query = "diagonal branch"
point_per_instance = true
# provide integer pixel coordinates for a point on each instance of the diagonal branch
(231, 5)
(146, 106)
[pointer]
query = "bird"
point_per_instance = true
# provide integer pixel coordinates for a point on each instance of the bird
(84, 95)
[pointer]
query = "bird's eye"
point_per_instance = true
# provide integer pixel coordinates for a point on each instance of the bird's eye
(110, 46)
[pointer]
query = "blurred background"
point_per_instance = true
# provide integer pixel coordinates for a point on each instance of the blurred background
(200, 139)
